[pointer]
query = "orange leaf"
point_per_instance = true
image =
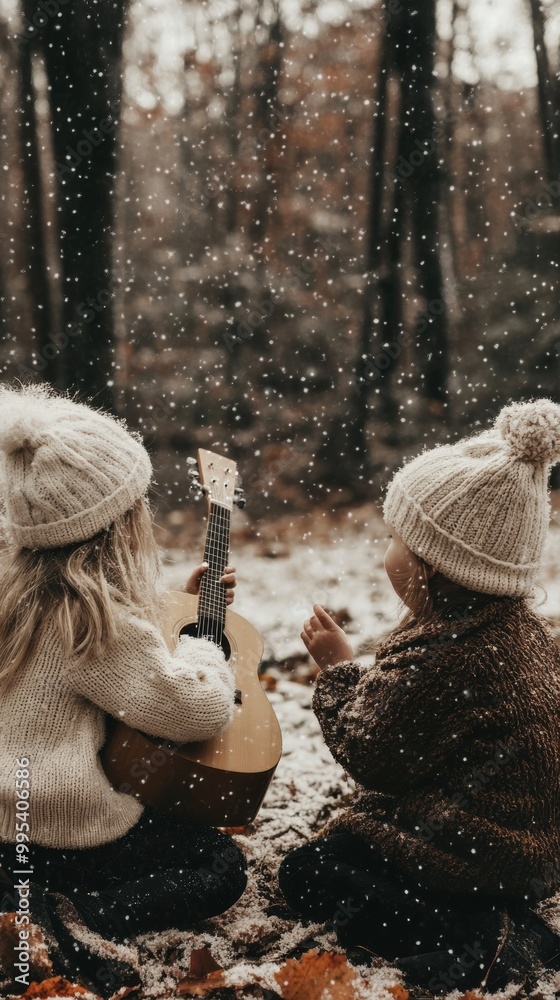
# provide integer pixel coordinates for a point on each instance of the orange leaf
(55, 987)
(202, 963)
(399, 992)
(269, 682)
(205, 975)
(200, 987)
(317, 976)
(40, 965)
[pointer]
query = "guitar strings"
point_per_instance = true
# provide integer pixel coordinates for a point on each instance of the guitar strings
(212, 600)
(214, 553)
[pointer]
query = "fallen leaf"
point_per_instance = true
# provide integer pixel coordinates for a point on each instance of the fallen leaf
(40, 965)
(125, 991)
(237, 830)
(399, 992)
(269, 682)
(57, 986)
(471, 995)
(205, 975)
(202, 962)
(201, 987)
(317, 976)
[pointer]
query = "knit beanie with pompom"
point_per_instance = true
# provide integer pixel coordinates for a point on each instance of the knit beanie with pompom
(66, 470)
(478, 510)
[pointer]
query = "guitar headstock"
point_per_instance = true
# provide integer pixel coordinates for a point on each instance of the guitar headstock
(216, 478)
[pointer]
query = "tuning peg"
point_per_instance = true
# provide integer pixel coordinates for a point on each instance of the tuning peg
(191, 461)
(195, 487)
(193, 473)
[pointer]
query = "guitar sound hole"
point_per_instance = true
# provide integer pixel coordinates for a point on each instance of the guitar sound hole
(211, 630)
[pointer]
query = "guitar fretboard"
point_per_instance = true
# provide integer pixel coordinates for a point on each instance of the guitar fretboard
(212, 598)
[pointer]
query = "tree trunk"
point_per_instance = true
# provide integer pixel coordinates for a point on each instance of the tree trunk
(82, 52)
(370, 340)
(267, 127)
(424, 139)
(545, 89)
(39, 292)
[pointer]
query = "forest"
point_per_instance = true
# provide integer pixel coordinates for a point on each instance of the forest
(337, 242)
(316, 236)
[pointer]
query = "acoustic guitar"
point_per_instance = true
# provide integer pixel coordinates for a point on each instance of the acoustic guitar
(220, 781)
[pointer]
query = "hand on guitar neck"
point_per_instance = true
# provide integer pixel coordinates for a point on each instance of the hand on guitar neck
(228, 579)
(222, 778)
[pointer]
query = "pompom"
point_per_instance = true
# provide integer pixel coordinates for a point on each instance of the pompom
(532, 430)
(23, 420)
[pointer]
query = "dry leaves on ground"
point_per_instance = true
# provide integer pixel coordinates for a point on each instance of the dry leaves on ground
(39, 961)
(205, 975)
(57, 986)
(317, 976)
(314, 976)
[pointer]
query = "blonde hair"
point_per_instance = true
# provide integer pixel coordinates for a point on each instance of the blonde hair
(80, 587)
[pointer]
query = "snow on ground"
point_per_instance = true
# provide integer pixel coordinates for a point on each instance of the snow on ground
(338, 561)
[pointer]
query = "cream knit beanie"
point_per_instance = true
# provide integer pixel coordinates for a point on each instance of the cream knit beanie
(478, 510)
(66, 470)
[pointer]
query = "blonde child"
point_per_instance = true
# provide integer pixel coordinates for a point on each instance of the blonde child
(453, 736)
(80, 639)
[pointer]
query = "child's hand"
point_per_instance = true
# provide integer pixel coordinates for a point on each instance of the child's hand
(193, 582)
(326, 642)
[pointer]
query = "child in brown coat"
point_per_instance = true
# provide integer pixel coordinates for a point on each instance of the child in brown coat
(453, 736)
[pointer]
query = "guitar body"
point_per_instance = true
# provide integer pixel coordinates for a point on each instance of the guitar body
(220, 781)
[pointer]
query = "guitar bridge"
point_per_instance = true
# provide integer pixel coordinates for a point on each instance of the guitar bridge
(238, 697)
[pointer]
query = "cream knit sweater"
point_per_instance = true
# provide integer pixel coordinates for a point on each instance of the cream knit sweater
(54, 714)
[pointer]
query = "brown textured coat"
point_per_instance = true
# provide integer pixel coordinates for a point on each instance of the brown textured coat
(454, 739)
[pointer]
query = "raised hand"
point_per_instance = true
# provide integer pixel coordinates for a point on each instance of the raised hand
(324, 640)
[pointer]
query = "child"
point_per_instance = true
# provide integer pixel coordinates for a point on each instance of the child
(80, 634)
(453, 736)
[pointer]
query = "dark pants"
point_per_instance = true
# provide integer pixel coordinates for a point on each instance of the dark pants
(163, 873)
(341, 881)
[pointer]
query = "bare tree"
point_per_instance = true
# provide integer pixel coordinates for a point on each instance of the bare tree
(40, 292)
(405, 194)
(548, 112)
(82, 51)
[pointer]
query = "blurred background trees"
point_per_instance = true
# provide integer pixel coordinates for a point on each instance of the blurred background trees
(317, 236)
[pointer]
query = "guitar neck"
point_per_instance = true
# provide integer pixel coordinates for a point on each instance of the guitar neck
(212, 598)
